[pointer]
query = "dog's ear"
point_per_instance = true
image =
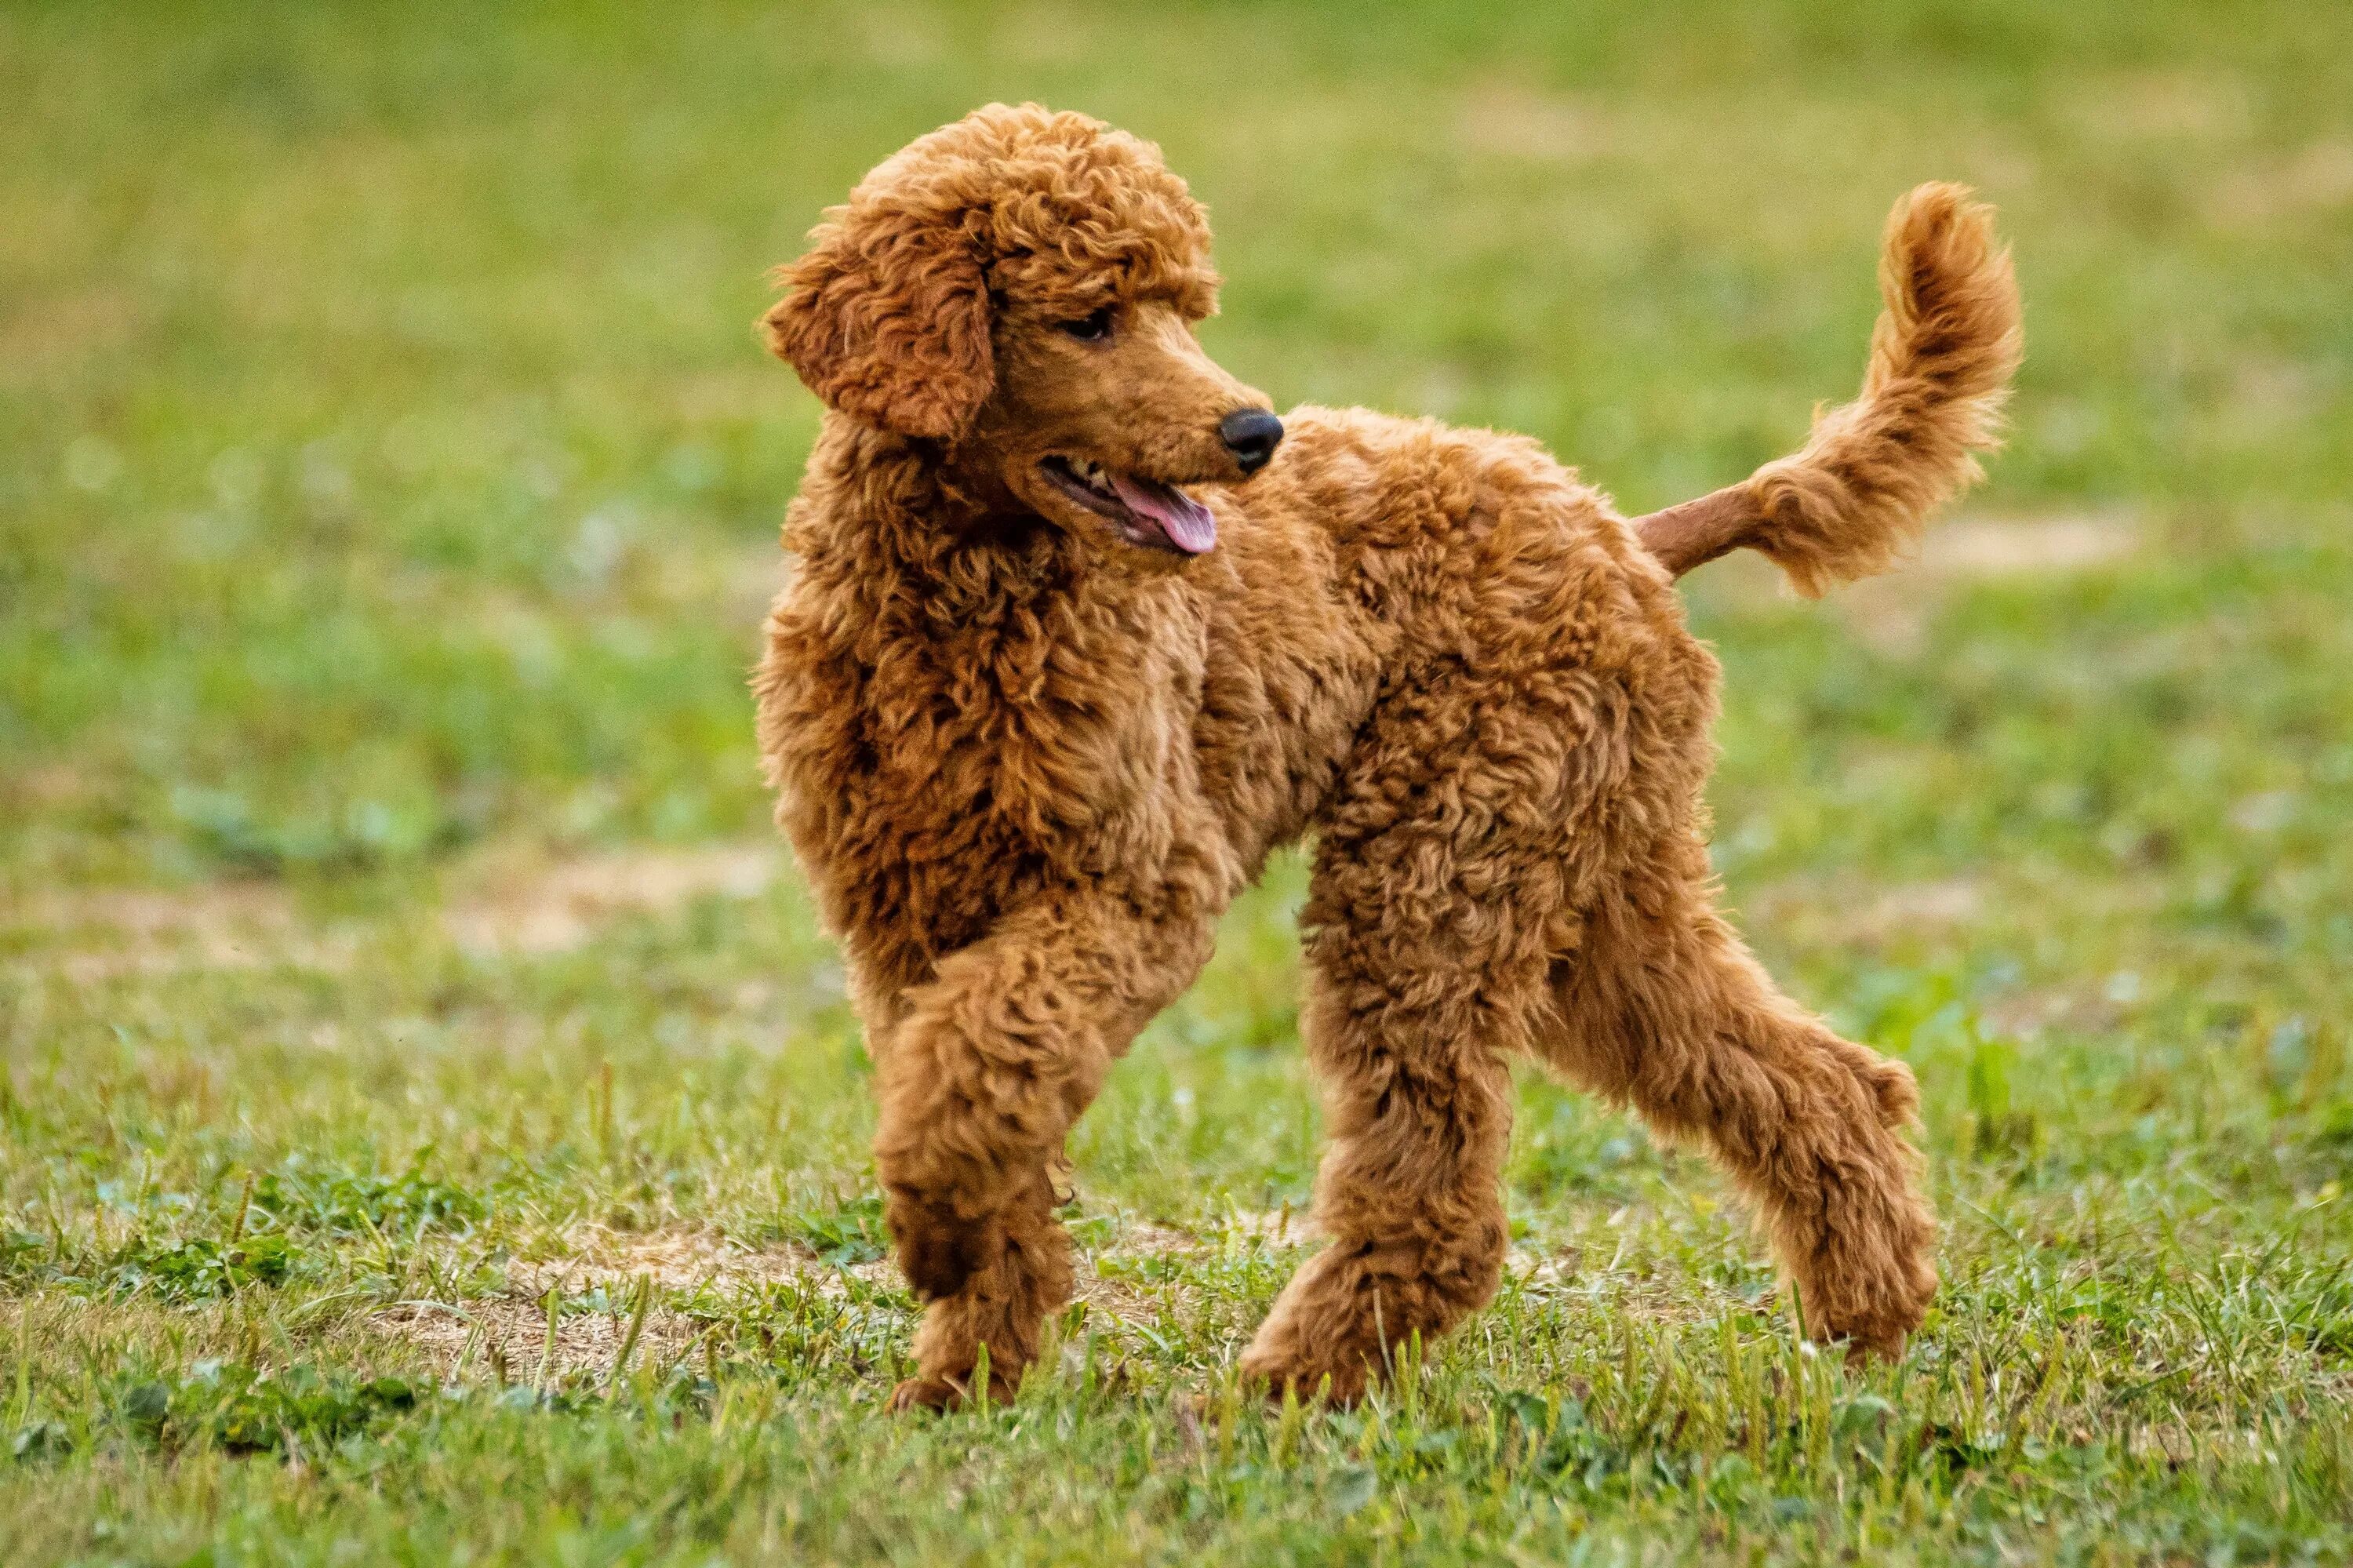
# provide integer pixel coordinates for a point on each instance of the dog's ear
(887, 321)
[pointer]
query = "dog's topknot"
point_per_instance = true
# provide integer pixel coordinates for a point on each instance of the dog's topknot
(1024, 181)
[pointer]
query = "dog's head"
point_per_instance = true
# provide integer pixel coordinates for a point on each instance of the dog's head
(1020, 287)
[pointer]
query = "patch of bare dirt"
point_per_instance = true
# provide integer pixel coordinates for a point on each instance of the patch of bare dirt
(2141, 106)
(1120, 1279)
(1285, 1226)
(506, 1338)
(1892, 613)
(1117, 1298)
(1928, 906)
(549, 906)
(1110, 1283)
(2030, 1014)
(46, 788)
(675, 1258)
(95, 934)
(1991, 547)
(1540, 1267)
(2318, 178)
(508, 902)
(1855, 915)
(506, 1335)
(44, 335)
(1516, 122)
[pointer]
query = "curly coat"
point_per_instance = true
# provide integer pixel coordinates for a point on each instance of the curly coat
(1029, 740)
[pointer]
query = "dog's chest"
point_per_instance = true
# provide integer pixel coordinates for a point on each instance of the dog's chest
(931, 781)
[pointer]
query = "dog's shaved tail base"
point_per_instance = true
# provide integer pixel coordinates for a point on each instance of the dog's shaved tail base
(1693, 532)
(1854, 500)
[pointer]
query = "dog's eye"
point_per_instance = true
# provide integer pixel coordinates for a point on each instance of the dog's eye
(1090, 329)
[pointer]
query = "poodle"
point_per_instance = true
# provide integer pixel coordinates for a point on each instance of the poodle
(1080, 631)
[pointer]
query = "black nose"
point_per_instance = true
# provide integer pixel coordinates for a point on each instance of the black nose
(1251, 435)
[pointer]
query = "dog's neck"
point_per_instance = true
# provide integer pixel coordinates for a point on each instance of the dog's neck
(905, 520)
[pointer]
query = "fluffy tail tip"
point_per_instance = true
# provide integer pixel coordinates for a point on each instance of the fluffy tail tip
(1947, 341)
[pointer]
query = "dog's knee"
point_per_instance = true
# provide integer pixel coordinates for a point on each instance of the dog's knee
(939, 1250)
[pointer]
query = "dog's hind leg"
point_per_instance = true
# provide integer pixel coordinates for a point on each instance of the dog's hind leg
(1662, 1007)
(980, 1076)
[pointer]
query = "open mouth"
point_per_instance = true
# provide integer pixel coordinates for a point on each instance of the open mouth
(1145, 510)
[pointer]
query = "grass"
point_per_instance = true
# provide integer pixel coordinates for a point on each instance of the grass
(431, 1129)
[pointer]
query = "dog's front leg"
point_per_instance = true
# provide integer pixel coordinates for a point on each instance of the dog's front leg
(987, 1067)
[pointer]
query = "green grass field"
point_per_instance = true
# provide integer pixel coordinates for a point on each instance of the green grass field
(430, 1127)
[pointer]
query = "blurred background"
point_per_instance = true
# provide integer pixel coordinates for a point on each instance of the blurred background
(390, 462)
(390, 480)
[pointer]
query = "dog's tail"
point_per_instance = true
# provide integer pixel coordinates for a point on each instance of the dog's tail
(1941, 359)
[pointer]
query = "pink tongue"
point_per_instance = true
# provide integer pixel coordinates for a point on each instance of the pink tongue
(1185, 520)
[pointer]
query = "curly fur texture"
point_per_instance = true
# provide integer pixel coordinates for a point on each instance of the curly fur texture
(1028, 761)
(1947, 341)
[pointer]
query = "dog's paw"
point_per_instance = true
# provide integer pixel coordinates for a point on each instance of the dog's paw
(1884, 1294)
(1273, 1379)
(925, 1394)
(945, 1393)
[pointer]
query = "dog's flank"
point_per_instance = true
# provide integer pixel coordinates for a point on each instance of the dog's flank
(1858, 495)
